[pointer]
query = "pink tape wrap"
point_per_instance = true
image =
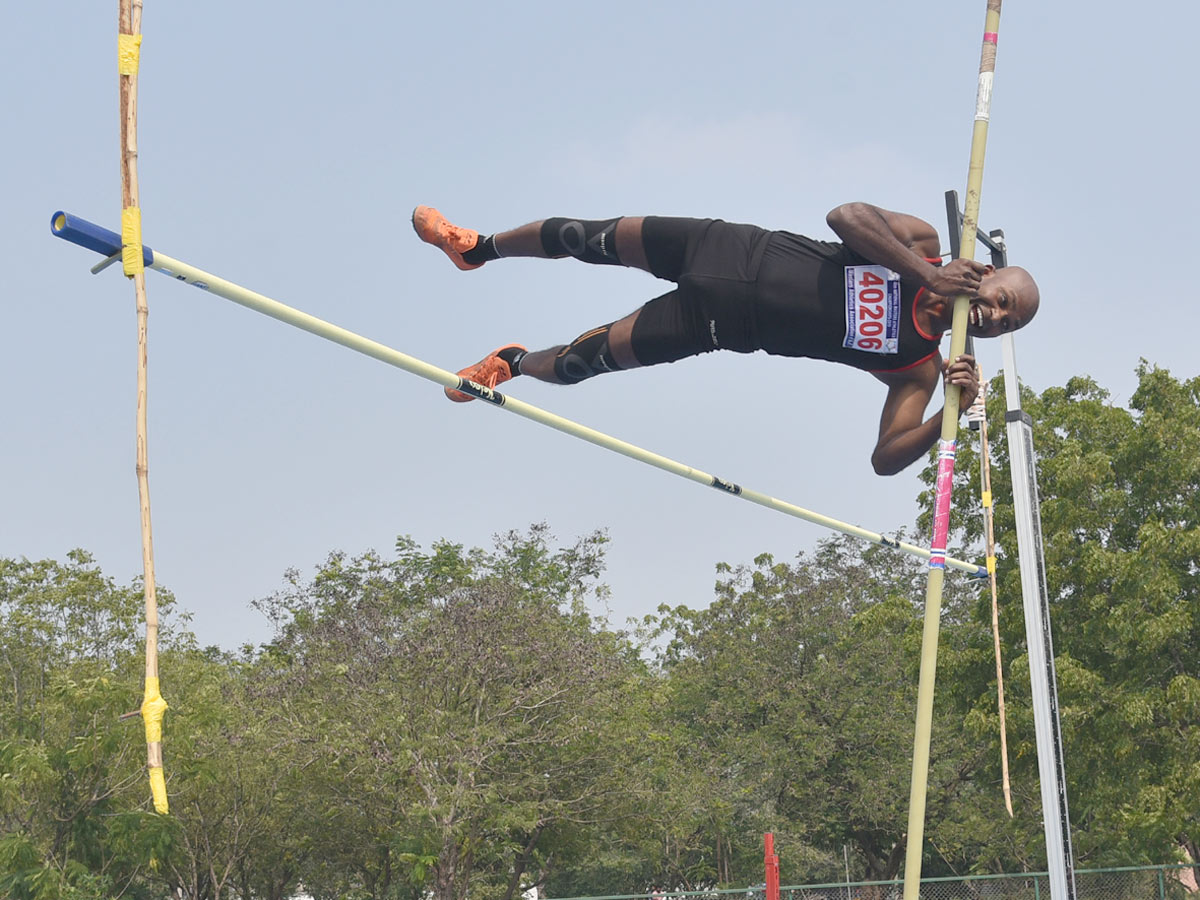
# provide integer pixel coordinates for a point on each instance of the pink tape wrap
(991, 37)
(941, 504)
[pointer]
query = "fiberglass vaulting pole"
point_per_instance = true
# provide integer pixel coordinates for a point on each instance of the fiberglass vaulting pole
(945, 474)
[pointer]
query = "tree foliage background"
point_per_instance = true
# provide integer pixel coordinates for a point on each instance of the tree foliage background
(456, 723)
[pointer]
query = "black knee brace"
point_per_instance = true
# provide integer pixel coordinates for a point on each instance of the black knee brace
(591, 241)
(585, 356)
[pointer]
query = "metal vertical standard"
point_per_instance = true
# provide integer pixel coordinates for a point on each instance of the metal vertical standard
(1040, 645)
(1056, 820)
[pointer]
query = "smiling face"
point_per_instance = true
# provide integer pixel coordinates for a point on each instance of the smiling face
(1007, 299)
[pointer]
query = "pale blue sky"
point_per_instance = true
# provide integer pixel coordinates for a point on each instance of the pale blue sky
(284, 145)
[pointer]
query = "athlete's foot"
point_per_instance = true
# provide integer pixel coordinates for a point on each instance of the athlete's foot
(489, 372)
(431, 227)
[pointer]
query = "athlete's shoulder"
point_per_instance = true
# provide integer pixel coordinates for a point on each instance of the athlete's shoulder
(915, 233)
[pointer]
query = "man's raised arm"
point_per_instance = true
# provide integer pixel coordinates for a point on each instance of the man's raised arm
(903, 243)
(905, 434)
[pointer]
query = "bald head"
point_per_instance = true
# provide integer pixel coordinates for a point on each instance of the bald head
(1007, 299)
(1026, 296)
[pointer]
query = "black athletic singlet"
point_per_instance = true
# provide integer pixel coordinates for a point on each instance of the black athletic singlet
(743, 288)
(800, 306)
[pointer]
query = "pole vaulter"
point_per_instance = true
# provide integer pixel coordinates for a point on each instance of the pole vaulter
(108, 244)
(945, 473)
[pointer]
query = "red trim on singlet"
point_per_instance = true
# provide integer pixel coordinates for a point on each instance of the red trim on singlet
(917, 325)
(935, 261)
(911, 365)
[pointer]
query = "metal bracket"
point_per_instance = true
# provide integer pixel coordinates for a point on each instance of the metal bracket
(105, 263)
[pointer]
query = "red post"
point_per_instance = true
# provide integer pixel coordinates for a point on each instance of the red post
(772, 866)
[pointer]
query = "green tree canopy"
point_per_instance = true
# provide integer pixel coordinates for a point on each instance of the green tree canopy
(455, 722)
(72, 786)
(798, 689)
(1120, 507)
(465, 714)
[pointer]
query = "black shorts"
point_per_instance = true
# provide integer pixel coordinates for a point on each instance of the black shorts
(715, 265)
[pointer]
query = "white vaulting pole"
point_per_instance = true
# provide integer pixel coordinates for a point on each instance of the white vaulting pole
(93, 237)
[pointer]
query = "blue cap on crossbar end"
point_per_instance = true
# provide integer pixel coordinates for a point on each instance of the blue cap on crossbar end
(93, 237)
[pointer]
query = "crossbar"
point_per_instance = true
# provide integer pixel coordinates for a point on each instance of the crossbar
(107, 243)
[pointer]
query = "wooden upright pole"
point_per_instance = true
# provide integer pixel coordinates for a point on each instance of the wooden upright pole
(129, 53)
(945, 475)
(985, 481)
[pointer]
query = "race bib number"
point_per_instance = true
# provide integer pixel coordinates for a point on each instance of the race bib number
(872, 309)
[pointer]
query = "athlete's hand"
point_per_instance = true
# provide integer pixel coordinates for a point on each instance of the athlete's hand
(959, 276)
(963, 373)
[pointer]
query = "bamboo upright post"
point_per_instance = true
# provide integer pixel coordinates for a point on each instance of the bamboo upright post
(945, 474)
(978, 414)
(153, 705)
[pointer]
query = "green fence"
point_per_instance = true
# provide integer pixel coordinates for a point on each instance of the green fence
(1130, 883)
(1151, 883)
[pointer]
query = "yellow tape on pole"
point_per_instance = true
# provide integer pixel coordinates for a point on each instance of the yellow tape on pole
(945, 477)
(131, 241)
(129, 51)
(153, 708)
